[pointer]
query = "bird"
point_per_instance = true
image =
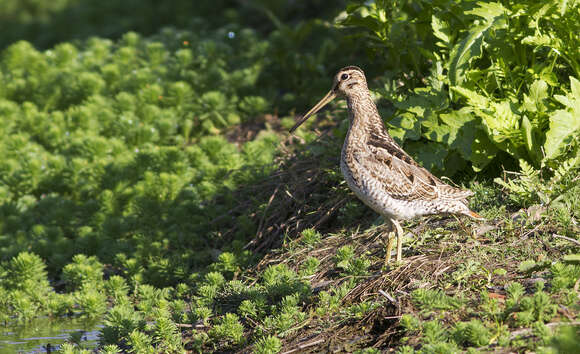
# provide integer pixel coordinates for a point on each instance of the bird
(379, 172)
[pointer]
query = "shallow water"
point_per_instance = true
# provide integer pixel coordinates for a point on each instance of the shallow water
(35, 336)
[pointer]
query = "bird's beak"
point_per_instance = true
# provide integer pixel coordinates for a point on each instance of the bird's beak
(323, 102)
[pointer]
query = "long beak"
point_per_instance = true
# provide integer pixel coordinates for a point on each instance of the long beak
(323, 102)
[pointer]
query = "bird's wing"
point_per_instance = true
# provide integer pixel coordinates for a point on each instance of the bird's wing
(400, 175)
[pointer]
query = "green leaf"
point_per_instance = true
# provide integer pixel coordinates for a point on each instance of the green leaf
(441, 30)
(575, 86)
(466, 50)
(471, 46)
(538, 94)
(564, 126)
(483, 151)
(463, 127)
(404, 126)
(529, 133)
(473, 97)
(430, 155)
(489, 11)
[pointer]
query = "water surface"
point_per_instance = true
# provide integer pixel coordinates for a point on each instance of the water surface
(36, 335)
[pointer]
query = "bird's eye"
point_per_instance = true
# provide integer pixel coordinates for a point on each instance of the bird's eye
(344, 76)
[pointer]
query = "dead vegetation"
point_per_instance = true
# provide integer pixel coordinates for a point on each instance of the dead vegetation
(459, 257)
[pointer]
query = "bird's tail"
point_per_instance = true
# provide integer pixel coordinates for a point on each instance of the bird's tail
(474, 215)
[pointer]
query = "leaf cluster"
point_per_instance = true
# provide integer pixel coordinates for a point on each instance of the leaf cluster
(489, 82)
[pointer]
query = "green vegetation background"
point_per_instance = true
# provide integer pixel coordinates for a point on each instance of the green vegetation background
(130, 132)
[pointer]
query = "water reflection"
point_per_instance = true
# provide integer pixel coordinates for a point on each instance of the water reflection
(43, 334)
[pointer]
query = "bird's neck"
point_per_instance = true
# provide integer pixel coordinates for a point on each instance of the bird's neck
(363, 115)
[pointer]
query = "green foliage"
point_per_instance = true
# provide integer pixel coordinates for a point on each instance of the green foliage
(429, 300)
(564, 275)
(434, 332)
(71, 348)
(91, 301)
(83, 271)
(285, 320)
(268, 345)
(109, 150)
(280, 281)
(472, 333)
(352, 265)
(26, 292)
(26, 272)
(566, 341)
(116, 287)
(496, 76)
(410, 323)
(331, 301)
(124, 182)
(166, 336)
(228, 328)
(310, 237)
(310, 266)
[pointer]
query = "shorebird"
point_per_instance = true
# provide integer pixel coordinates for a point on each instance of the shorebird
(377, 169)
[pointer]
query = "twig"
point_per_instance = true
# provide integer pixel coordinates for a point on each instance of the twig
(329, 213)
(527, 331)
(567, 239)
(389, 297)
(261, 224)
(527, 234)
(305, 345)
(184, 325)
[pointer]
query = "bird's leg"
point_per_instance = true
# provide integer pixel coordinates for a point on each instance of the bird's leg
(390, 237)
(399, 232)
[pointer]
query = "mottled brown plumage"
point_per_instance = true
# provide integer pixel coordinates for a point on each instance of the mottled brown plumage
(375, 167)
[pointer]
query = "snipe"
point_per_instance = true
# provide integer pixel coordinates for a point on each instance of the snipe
(378, 171)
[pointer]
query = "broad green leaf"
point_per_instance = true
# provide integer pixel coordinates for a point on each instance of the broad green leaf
(505, 118)
(404, 126)
(441, 133)
(473, 97)
(564, 126)
(466, 50)
(422, 100)
(464, 126)
(471, 46)
(575, 86)
(430, 154)
(563, 100)
(441, 30)
(541, 40)
(489, 11)
(539, 90)
(483, 151)
(538, 93)
(528, 131)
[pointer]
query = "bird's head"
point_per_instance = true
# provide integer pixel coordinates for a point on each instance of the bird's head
(348, 81)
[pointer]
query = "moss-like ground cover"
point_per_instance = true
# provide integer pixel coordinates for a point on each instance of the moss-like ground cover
(148, 182)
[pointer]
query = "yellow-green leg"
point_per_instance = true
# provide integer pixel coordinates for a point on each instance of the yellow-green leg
(398, 233)
(399, 240)
(390, 237)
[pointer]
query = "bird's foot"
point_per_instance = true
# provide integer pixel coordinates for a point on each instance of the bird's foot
(389, 250)
(398, 233)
